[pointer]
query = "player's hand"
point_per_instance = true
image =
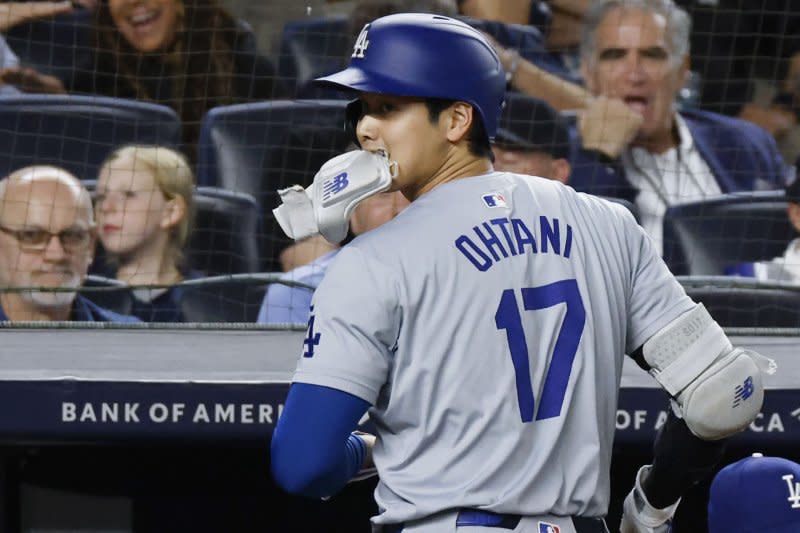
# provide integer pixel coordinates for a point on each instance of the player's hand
(369, 440)
(13, 13)
(608, 125)
(31, 81)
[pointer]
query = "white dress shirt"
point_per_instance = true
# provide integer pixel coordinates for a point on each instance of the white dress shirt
(676, 176)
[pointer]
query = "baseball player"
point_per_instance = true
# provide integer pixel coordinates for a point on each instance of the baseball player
(484, 327)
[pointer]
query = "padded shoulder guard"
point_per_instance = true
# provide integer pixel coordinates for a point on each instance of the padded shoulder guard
(718, 388)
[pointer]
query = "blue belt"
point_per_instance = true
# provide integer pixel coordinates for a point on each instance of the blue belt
(476, 517)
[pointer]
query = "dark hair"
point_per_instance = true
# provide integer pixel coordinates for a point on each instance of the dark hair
(203, 46)
(478, 138)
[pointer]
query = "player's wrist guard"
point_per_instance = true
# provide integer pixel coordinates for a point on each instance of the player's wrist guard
(325, 206)
(718, 388)
(639, 515)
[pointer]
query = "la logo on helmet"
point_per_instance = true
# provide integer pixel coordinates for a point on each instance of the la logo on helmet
(361, 43)
(794, 491)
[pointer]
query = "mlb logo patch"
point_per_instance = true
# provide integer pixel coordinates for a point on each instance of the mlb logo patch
(545, 527)
(494, 199)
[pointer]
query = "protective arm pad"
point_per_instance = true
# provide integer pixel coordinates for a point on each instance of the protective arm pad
(718, 388)
(725, 398)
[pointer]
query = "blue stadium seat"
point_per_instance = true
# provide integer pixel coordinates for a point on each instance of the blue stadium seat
(222, 299)
(703, 238)
(224, 240)
(78, 132)
(312, 47)
(56, 46)
(259, 148)
(737, 303)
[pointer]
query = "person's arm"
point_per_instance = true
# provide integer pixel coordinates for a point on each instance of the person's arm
(508, 11)
(30, 80)
(14, 13)
(606, 125)
(530, 79)
(715, 389)
(314, 452)
(576, 8)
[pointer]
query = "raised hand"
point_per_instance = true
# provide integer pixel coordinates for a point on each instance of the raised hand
(608, 125)
(13, 13)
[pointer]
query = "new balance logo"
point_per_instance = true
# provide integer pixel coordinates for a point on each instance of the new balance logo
(794, 490)
(361, 43)
(334, 185)
(743, 391)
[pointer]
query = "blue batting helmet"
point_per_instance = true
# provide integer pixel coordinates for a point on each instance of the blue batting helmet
(430, 56)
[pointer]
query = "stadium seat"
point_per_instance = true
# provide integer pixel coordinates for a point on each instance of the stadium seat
(737, 303)
(56, 46)
(78, 132)
(705, 237)
(224, 240)
(312, 47)
(222, 299)
(259, 148)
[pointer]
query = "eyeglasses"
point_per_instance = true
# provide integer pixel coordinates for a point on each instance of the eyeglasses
(37, 239)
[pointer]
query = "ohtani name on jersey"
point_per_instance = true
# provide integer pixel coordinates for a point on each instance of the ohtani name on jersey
(499, 238)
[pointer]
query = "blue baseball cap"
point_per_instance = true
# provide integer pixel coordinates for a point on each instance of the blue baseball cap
(756, 494)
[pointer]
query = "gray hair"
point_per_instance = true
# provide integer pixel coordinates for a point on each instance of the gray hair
(679, 24)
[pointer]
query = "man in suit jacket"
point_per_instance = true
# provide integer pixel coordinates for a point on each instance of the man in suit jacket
(637, 145)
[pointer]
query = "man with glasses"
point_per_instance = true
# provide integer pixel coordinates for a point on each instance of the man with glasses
(47, 241)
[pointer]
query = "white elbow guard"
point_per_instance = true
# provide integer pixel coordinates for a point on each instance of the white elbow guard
(325, 206)
(718, 388)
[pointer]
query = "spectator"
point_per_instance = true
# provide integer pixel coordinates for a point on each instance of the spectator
(145, 212)
(38, 203)
(756, 494)
(532, 139)
(12, 14)
(190, 55)
(635, 145)
(786, 267)
(290, 304)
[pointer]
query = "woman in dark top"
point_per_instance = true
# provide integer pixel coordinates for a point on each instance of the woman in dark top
(190, 55)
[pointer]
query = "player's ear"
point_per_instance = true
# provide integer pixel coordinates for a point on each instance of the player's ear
(459, 121)
(561, 170)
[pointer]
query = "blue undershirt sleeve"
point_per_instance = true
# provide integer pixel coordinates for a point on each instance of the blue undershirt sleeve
(313, 452)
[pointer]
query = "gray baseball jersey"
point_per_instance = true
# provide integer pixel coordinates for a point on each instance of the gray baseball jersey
(486, 324)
